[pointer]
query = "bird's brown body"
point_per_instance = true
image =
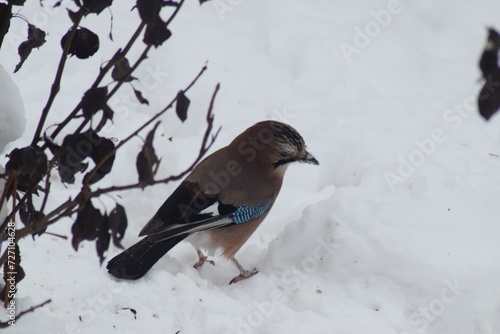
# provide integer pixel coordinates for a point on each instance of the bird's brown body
(243, 179)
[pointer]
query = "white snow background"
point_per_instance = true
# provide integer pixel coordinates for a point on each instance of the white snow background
(397, 231)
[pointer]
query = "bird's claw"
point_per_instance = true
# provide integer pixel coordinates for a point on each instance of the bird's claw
(244, 275)
(201, 260)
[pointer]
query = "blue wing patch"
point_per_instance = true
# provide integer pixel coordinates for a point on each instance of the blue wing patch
(245, 213)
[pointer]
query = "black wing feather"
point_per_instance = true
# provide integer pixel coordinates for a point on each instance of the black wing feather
(187, 211)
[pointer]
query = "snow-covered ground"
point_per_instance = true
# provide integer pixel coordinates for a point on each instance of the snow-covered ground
(397, 231)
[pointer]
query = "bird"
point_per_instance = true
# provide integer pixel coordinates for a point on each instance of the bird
(222, 201)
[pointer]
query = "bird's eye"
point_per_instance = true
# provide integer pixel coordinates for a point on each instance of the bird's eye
(285, 153)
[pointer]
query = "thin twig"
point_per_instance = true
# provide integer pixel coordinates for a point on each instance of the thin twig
(14, 211)
(91, 174)
(5, 191)
(20, 314)
(144, 54)
(47, 184)
(205, 146)
(59, 212)
(174, 14)
(102, 73)
(57, 80)
(57, 235)
(119, 83)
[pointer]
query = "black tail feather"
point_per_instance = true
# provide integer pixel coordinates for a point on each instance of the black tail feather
(134, 262)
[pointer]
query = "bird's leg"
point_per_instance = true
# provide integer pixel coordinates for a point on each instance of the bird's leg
(244, 274)
(202, 259)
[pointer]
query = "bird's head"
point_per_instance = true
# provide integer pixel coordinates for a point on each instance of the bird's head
(273, 143)
(289, 146)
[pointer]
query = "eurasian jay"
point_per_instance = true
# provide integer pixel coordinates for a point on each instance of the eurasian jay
(221, 202)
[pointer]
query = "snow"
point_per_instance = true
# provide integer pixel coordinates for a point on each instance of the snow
(395, 232)
(12, 119)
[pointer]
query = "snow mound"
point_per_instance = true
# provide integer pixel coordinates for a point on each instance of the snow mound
(12, 119)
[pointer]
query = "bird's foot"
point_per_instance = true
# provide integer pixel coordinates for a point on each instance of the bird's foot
(244, 274)
(202, 259)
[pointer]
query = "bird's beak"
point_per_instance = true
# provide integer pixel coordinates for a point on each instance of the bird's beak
(310, 159)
